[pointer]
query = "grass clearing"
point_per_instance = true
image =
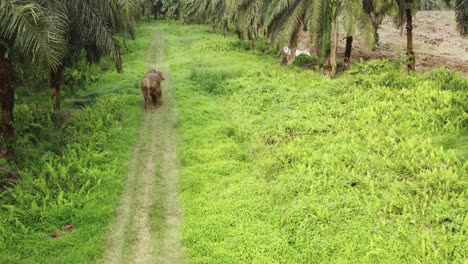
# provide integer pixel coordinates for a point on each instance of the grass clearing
(283, 166)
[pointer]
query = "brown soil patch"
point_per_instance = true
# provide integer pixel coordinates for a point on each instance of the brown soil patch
(436, 43)
(68, 228)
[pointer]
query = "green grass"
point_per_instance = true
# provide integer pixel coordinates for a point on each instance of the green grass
(280, 165)
(73, 164)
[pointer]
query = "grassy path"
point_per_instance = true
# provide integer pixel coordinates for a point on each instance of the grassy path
(146, 228)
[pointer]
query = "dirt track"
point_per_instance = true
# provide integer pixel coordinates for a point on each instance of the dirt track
(146, 228)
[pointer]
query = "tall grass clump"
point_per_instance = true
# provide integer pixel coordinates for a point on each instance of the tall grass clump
(288, 167)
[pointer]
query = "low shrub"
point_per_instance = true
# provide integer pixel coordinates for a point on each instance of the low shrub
(448, 79)
(374, 67)
(305, 61)
(80, 74)
(213, 81)
(240, 45)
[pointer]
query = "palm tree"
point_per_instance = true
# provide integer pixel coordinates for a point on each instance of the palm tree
(354, 16)
(405, 17)
(409, 35)
(431, 5)
(92, 26)
(190, 10)
(48, 32)
(172, 8)
(284, 21)
(216, 9)
(461, 10)
(29, 30)
(377, 10)
(212, 11)
(323, 25)
(461, 15)
(406, 9)
(247, 15)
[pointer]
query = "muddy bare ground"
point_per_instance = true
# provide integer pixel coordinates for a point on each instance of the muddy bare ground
(146, 227)
(436, 42)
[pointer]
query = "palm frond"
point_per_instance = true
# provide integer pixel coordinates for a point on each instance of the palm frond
(461, 16)
(279, 13)
(294, 24)
(367, 30)
(91, 26)
(33, 30)
(128, 9)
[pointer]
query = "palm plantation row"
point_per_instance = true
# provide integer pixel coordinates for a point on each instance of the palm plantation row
(49, 33)
(281, 21)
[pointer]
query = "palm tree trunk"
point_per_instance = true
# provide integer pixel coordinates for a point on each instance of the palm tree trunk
(334, 42)
(349, 47)
(154, 9)
(376, 31)
(293, 45)
(240, 34)
(316, 48)
(282, 57)
(409, 41)
(142, 5)
(7, 102)
(327, 64)
(92, 54)
(251, 40)
(55, 78)
(213, 24)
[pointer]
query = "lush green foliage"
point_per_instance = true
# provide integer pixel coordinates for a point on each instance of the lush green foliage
(281, 165)
(306, 61)
(432, 5)
(73, 163)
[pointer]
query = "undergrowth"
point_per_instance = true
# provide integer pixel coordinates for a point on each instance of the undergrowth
(72, 164)
(282, 166)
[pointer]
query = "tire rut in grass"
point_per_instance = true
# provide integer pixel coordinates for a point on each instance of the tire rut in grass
(146, 229)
